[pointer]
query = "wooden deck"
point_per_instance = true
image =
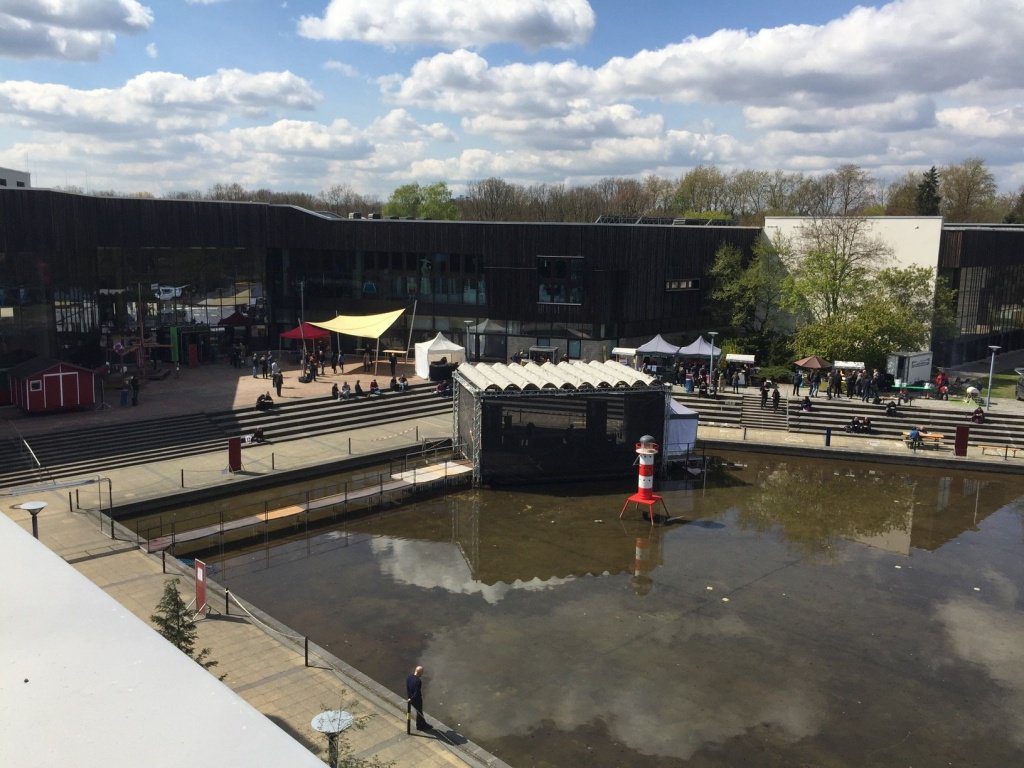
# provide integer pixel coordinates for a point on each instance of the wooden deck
(397, 482)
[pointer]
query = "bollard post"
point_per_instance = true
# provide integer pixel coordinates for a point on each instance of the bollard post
(111, 526)
(272, 464)
(417, 433)
(828, 436)
(163, 560)
(72, 509)
(78, 504)
(744, 433)
(350, 446)
(183, 477)
(227, 604)
(307, 651)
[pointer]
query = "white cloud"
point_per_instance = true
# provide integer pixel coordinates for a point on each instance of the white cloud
(865, 58)
(454, 23)
(162, 100)
(77, 30)
(976, 121)
(151, 50)
(339, 66)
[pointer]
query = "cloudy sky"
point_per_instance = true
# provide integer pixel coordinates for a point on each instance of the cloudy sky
(162, 95)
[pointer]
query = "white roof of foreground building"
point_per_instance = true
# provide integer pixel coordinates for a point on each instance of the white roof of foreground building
(84, 682)
(570, 376)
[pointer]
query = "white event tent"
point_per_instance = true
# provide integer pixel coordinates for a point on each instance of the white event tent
(700, 348)
(658, 346)
(433, 350)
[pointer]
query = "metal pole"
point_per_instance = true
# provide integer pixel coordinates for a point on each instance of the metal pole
(183, 478)
(78, 503)
(307, 651)
(991, 370)
(350, 446)
(272, 462)
(72, 509)
(163, 560)
(227, 603)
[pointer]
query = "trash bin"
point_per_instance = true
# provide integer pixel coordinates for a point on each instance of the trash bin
(124, 397)
(689, 385)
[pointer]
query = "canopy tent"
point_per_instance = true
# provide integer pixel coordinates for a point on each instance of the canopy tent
(813, 362)
(433, 350)
(658, 346)
(306, 331)
(362, 326)
(700, 348)
(680, 430)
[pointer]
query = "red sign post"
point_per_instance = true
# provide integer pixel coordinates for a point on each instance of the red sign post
(200, 586)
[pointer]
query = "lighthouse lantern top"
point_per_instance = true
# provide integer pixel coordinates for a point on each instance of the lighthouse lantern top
(647, 446)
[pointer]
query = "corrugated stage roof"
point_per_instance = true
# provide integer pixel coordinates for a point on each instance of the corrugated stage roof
(572, 376)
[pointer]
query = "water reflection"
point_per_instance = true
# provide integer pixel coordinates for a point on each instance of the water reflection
(760, 630)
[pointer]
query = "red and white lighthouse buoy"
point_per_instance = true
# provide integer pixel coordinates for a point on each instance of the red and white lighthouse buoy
(646, 450)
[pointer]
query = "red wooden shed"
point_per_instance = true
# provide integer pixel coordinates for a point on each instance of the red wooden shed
(42, 385)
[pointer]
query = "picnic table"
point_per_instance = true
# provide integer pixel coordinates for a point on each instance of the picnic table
(930, 439)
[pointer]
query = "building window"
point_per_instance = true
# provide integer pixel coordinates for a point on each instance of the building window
(3, 182)
(560, 279)
(35, 385)
(574, 349)
(692, 284)
(21, 183)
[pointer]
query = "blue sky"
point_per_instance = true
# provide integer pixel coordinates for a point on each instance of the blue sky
(170, 94)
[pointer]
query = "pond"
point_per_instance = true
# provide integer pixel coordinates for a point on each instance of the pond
(794, 612)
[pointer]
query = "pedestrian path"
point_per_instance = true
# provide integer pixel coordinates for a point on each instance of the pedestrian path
(270, 674)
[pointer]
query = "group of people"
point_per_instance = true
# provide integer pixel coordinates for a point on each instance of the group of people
(860, 425)
(868, 387)
(770, 389)
(345, 392)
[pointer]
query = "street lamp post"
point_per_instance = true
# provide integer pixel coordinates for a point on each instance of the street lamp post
(991, 369)
(33, 508)
(711, 366)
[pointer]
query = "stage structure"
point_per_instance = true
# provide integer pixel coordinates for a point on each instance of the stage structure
(570, 421)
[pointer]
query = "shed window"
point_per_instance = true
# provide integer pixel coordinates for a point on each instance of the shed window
(35, 386)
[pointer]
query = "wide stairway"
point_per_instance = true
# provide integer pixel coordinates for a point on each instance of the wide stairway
(95, 450)
(724, 410)
(1000, 428)
(756, 417)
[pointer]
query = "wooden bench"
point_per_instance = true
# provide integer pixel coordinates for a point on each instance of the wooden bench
(929, 439)
(1006, 450)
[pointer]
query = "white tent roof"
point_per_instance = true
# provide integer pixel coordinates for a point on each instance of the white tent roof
(700, 348)
(658, 346)
(435, 349)
(570, 376)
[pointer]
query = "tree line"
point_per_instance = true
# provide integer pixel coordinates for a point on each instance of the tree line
(963, 192)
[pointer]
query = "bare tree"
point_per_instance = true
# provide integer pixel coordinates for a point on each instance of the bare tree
(968, 191)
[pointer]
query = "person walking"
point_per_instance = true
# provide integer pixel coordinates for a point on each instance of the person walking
(798, 380)
(414, 698)
(736, 382)
(334, 362)
(393, 362)
(278, 382)
(775, 397)
(765, 386)
(134, 383)
(263, 365)
(255, 366)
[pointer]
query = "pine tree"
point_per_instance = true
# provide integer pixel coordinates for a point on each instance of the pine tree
(174, 620)
(928, 197)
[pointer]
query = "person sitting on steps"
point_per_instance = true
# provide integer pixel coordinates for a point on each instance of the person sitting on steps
(334, 391)
(346, 391)
(403, 383)
(375, 389)
(359, 390)
(393, 386)
(978, 415)
(264, 402)
(891, 409)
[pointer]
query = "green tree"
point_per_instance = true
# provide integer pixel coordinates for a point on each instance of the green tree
(928, 198)
(901, 196)
(830, 261)
(752, 294)
(175, 622)
(404, 201)
(968, 191)
(895, 308)
(436, 203)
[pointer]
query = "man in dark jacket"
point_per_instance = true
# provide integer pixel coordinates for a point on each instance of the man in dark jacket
(414, 693)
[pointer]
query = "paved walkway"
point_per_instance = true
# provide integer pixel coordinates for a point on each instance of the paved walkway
(268, 672)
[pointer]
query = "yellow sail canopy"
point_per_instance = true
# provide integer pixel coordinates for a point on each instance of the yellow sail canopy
(364, 326)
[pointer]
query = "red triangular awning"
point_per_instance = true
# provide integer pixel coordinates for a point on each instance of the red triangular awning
(306, 331)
